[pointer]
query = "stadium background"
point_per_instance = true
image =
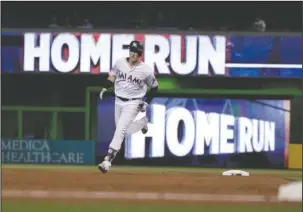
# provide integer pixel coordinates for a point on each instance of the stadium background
(241, 61)
(58, 106)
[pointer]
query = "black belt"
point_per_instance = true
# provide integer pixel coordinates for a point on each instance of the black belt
(126, 100)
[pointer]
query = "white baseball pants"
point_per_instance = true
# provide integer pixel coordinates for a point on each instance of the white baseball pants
(128, 120)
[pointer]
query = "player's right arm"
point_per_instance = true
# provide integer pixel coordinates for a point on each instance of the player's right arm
(152, 82)
(109, 82)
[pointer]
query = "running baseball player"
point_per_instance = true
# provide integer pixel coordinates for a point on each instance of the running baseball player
(130, 76)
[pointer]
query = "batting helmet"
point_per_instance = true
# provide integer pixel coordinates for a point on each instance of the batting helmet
(136, 46)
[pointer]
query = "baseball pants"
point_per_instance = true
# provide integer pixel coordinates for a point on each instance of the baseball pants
(128, 120)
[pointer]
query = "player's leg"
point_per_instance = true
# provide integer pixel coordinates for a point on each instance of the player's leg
(140, 123)
(118, 108)
(144, 129)
(127, 116)
(128, 113)
(105, 165)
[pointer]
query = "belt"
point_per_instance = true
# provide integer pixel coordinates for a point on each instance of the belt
(126, 100)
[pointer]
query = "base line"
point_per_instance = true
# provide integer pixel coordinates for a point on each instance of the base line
(136, 196)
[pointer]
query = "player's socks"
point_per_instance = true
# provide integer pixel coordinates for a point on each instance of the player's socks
(111, 154)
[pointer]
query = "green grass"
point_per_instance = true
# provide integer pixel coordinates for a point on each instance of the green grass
(295, 174)
(293, 178)
(53, 206)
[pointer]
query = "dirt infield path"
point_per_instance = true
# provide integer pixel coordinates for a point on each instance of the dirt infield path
(71, 180)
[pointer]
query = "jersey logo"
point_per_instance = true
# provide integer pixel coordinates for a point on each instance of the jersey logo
(129, 78)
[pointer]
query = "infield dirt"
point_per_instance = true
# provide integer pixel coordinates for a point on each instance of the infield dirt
(84, 180)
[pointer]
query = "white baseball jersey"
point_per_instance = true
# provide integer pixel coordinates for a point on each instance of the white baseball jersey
(131, 82)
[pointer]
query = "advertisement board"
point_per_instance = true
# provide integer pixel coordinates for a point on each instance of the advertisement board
(205, 132)
(48, 152)
(167, 54)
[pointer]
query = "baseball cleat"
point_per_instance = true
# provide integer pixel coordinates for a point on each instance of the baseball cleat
(144, 129)
(104, 166)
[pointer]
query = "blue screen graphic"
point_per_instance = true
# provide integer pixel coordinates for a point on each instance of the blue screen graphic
(266, 50)
(243, 128)
(245, 56)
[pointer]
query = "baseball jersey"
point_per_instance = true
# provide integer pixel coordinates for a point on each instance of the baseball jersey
(131, 82)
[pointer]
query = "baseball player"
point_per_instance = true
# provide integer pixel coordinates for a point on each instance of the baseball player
(130, 77)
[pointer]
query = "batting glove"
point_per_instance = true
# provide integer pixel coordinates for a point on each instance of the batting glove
(103, 94)
(143, 106)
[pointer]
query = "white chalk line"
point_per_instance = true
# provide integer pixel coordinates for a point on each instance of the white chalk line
(137, 196)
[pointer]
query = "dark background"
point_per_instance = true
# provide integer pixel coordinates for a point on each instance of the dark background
(232, 16)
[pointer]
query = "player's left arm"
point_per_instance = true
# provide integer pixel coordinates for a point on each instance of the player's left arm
(152, 82)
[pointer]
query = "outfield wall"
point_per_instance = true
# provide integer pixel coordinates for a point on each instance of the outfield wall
(48, 152)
